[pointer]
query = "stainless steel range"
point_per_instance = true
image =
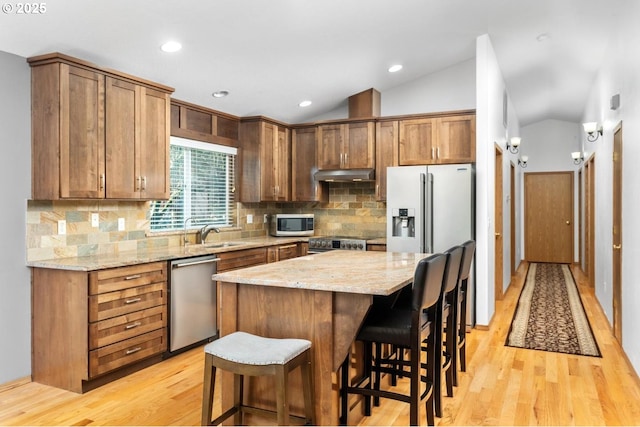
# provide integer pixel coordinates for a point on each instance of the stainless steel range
(324, 244)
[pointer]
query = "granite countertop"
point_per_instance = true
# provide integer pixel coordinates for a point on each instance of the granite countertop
(99, 262)
(361, 272)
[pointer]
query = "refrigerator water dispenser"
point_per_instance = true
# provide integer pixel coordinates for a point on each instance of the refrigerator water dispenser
(404, 222)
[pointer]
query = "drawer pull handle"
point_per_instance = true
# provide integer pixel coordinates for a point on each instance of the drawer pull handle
(132, 325)
(132, 300)
(135, 276)
(133, 350)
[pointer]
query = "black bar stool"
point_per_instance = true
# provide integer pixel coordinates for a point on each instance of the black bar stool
(449, 325)
(405, 328)
(465, 271)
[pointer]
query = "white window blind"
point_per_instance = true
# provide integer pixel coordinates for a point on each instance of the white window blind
(202, 187)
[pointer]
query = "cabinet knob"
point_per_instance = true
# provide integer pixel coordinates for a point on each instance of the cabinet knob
(144, 183)
(617, 246)
(101, 181)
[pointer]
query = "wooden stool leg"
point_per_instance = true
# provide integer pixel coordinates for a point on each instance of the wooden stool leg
(238, 396)
(344, 396)
(208, 390)
(282, 396)
(307, 387)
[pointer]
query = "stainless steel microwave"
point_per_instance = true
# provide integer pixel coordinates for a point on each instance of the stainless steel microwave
(291, 225)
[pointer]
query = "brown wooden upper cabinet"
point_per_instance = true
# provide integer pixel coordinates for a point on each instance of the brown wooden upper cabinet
(386, 154)
(304, 164)
(436, 140)
(203, 124)
(346, 145)
(96, 133)
(266, 161)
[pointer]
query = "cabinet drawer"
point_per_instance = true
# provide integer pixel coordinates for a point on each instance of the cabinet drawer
(376, 247)
(120, 328)
(116, 279)
(288, 251)
(240, 259)
(112, 304)
(114, 356)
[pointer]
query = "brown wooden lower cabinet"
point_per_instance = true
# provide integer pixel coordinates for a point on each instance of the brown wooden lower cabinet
(377, 247)
(90, 325)
(89, 328)
(239, 259)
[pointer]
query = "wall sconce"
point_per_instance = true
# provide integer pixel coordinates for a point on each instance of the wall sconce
(513, 144)
(577, 157)
(592, 129)
(522, 161)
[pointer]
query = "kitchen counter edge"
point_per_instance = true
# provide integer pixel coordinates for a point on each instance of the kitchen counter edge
(104, 261)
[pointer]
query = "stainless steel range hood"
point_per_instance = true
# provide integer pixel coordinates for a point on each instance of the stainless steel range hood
(345, 175)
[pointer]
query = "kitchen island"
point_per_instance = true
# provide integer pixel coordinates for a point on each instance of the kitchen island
(322, 298)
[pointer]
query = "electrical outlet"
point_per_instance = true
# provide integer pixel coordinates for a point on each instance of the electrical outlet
(95, 220)
(265, 219)
(120, 224)
(62, 227)
(249, 219)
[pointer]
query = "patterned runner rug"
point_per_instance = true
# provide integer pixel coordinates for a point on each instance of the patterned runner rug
(550, 315)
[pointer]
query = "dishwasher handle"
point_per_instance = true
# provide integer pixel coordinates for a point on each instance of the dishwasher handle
(187, 264)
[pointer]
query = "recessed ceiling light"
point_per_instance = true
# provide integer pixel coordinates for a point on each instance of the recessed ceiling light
(220, 94)
(171, 46)
(305, 103)
(395, 68)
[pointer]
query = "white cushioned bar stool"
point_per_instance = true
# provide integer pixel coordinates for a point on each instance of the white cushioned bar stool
(243, 354)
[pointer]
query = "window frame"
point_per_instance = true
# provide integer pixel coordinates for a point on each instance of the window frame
(185, 212)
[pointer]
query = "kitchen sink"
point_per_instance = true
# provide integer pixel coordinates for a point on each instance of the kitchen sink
(222, 244)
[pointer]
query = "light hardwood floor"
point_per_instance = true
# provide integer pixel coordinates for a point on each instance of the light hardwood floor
(502, 386)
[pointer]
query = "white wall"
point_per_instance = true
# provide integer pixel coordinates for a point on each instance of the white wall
(490, 132)
(620, 74)
(15, 178)
(450, 89)
(453, 88)
(549, 145)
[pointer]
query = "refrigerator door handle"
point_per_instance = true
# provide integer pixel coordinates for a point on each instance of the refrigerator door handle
(423, 211)
(428, 214)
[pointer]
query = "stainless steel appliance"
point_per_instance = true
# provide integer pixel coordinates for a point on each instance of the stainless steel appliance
(324, 244)
(291, 225)
(430, 209)
(192, 302)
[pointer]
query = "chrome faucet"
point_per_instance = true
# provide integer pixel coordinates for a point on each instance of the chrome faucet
(184, 233)
(204, 232)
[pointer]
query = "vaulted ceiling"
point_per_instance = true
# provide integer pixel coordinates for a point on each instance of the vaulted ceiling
(270, 55)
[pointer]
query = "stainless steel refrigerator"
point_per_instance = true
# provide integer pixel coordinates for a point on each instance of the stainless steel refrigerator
(430, 209)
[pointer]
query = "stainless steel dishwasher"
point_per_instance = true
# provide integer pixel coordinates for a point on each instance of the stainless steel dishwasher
(192, 302)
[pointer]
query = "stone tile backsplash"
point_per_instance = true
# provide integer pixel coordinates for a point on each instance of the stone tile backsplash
(351, 211)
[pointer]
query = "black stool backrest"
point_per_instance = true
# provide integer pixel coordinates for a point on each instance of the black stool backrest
(452, 271)
(427, 282)
(465, 267)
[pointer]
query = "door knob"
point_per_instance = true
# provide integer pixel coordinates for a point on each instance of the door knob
(617, 246)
